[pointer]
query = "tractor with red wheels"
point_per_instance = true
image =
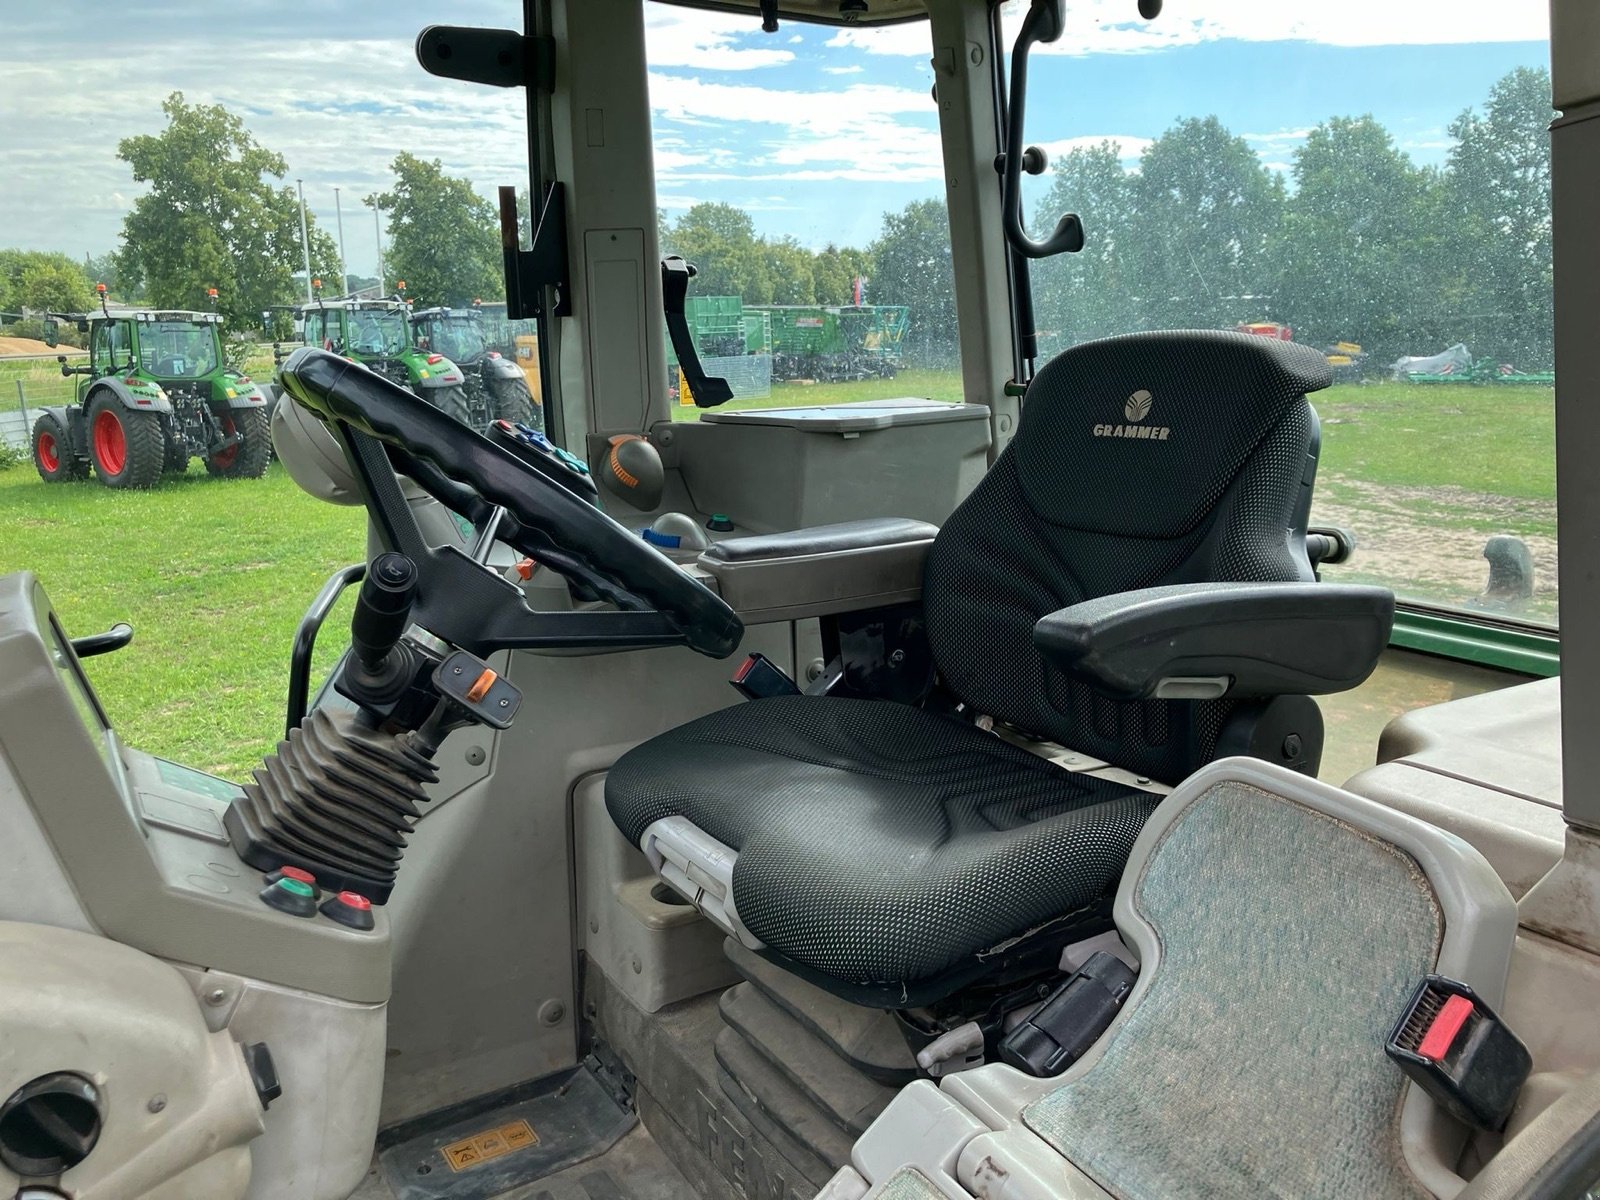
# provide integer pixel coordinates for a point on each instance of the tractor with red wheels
(155, 393)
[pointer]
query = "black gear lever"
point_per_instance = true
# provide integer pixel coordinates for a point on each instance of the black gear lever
(380, 669)
(383, 608)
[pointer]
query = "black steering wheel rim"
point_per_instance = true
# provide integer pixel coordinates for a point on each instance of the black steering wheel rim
(544, 520)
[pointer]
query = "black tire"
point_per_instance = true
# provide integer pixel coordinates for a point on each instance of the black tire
(514, 402)
(248, 459)
(127, 447)
(452, 401)
(52, 453)
(176, 459)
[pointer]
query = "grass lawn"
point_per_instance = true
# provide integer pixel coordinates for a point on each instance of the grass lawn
(933, 385)
(214, 576)
(1496, 440)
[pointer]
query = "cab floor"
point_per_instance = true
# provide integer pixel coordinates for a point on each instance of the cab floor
(635, 1168)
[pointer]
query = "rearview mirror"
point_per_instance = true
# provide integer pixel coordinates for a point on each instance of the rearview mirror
(50, 337)
(83, 325)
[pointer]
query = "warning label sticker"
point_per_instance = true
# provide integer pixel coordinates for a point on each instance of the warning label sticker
(496, 1143)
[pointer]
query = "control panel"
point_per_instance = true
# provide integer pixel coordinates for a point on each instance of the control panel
(135, 845)
(544, 456)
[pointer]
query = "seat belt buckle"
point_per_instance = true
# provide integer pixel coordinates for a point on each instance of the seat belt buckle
(759, 678)
(1072, 1018)
(1452, 1046)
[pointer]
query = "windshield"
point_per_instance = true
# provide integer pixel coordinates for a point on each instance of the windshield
(1380, 193)
(377, 331)
(458, 338)
(802, 176)
(177, 349)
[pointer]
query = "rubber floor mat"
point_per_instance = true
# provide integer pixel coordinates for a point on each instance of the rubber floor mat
(563, 1121)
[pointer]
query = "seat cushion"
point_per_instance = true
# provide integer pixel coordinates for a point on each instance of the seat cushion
(882, 846)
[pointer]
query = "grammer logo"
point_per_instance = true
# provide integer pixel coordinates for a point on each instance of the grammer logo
(1136, 409)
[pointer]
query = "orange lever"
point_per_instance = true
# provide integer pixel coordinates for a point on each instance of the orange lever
(480, 687)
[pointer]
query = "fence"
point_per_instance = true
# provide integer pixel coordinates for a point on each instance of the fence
(749, 376)
(27, 385)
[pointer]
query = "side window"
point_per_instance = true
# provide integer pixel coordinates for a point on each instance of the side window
(802, 175)
(1398, 228)
(100, 349)
(111, 348)
(313, 334)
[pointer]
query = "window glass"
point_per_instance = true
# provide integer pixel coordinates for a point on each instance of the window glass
(1369, 180)
(800, 172)
(177, 349)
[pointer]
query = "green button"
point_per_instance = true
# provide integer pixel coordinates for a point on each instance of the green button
(296, 887)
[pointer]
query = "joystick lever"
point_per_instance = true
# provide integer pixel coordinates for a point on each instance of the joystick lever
(380, 667)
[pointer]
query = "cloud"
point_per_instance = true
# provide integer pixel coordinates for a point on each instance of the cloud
(338, 108)
(1111, 27)
(855, 70)
(1129, 148)
(1278, 137)
(677, 37)
(861, 132)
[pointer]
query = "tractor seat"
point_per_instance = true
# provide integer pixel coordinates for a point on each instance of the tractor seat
(894, 854)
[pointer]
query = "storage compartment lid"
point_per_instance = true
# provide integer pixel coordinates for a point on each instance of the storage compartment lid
(853, 418)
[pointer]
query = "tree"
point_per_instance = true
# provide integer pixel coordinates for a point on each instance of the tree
(835, 271)
(911, 265)
(54, 287)
(789, 265)
(1499, 190)
(102, 268)
(212, 217)
(1359, 251)
(729, 260)
(1089, 294)
(1207, 212)
(42, 280)
(444, 238)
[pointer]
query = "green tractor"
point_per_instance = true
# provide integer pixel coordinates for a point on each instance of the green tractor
(497, 388)
(377, 334)
(155, 393)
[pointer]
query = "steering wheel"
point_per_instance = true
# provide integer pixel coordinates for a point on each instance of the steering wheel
(385, 428)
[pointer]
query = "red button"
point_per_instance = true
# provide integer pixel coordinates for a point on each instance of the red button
(1446, 1027)
(355, 900)
(297, 873)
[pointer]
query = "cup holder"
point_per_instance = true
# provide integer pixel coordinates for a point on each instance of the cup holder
(662, 894)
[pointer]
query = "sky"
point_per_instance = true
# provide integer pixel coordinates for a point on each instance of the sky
(816, 131)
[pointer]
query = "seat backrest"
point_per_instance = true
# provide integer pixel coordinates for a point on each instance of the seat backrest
(1147, 459)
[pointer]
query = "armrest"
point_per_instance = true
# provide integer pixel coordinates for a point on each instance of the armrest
(1203, 641)
(823, 570)
(822, 539)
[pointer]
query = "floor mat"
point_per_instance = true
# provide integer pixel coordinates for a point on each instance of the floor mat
(480, 1155)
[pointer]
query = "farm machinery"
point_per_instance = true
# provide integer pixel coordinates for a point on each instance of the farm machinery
(377, 334)
(496, 387)
(155, 393)
(1457, 365)
(860, 341)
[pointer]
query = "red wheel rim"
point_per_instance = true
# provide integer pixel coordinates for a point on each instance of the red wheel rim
(110, 443)
(48, 454)
(225, 460)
